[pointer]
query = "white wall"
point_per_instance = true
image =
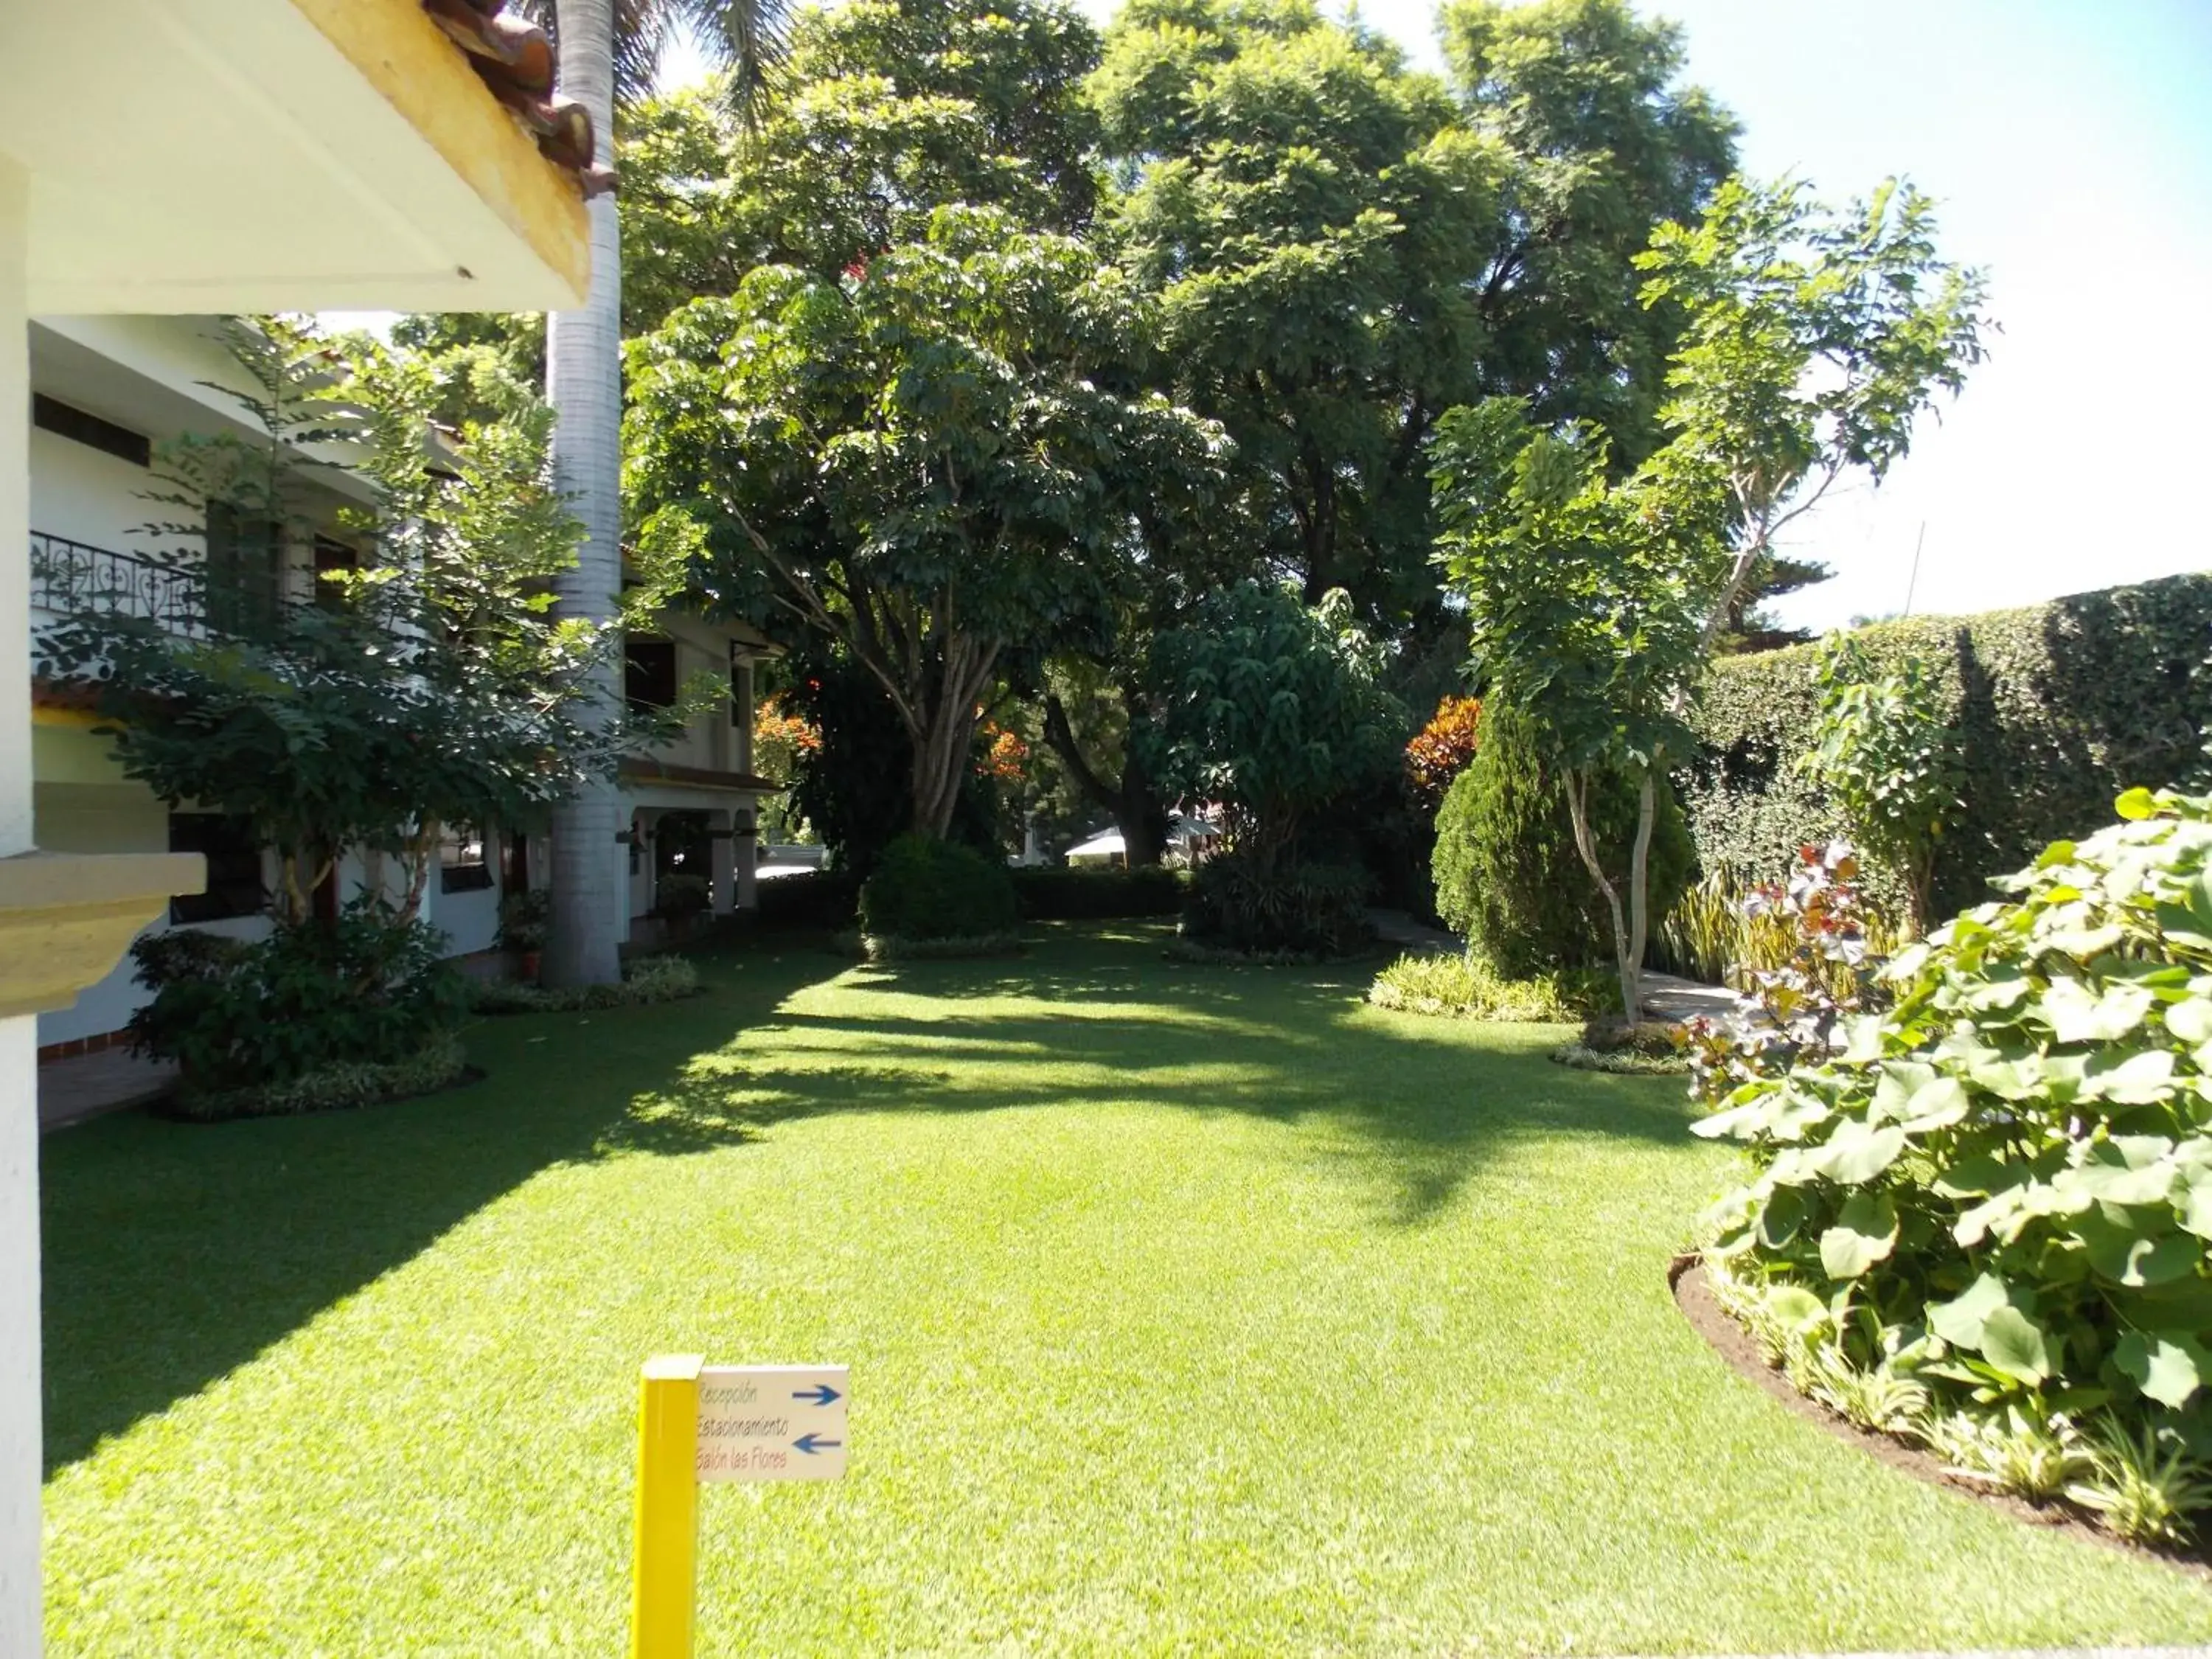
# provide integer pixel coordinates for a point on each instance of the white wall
(709, 741)
(88, 495)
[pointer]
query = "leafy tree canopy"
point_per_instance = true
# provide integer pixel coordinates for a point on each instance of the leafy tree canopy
(1345, 249)
(1272, 708)
(931, 459)
(429, 687)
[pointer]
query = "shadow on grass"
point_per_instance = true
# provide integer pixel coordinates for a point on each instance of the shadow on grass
(175, 1253)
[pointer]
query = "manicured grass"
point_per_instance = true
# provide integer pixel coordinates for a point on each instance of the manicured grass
(1189, 1309)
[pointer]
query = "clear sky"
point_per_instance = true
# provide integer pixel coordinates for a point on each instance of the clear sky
(2070, 145)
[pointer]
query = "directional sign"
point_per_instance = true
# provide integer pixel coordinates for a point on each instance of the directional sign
(772, 1422)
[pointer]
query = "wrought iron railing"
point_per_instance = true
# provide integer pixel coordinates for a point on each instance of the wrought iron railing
(68, 576)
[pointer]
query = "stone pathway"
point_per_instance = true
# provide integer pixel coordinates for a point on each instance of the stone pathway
(91, 1085)
(1666, 996)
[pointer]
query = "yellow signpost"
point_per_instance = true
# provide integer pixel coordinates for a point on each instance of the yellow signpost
(665, 1575)
(697, 1422)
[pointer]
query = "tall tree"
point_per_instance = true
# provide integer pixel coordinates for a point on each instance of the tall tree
(928, 460)
(608, 52)
(1345, 249)
(1813, 342)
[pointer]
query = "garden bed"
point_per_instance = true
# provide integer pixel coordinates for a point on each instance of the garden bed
(1693, 1295)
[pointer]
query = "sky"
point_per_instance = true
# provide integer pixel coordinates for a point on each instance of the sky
(2070, 145)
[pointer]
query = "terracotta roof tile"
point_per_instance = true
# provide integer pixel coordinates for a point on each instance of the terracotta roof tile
(513, 56)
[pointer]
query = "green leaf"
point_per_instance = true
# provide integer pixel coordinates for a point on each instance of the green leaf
(2106, 1174)
(2014, 1344)
(1937, 1106)
(1959, 1322)
(1780, 1216)
(1900, 1081)
(2168, 1366)
(2142, 1079)
(1975, 1176)
(2190, 1022)
(2136, 1259)
(1858, 1153)
(2075, 1013)
(1864, 1234)
(1795, 1307)
(2136, 805)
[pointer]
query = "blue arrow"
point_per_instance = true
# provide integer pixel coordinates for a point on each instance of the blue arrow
(821, 1394)
(811, 1444)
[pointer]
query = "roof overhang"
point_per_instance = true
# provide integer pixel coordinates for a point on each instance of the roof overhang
(241, 155)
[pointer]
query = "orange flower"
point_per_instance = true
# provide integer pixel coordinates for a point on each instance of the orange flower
(1441, 751)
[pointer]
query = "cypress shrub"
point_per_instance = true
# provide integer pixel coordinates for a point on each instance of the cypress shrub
(1507, 873)
(2056, 709)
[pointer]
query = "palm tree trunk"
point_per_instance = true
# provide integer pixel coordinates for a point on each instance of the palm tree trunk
(589, 909)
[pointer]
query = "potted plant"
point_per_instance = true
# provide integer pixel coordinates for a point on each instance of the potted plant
(522, 921)
(677, 898)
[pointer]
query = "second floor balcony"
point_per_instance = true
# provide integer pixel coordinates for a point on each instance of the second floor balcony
(195, 598)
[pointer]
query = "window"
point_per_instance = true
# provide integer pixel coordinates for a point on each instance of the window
(245, 564)
(332, 555)
(67, 421)
(462, 867)
(234, 867)
(650, 681)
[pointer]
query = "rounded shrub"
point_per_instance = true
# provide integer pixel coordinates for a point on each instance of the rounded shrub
(926, 888)
(1507, 873)
(369, 990)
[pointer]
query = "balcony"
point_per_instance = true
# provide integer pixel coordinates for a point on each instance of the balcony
(68, 576)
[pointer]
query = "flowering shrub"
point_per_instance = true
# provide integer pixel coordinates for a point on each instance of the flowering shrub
(1443, 749)
(1007, 757)
(2000, 1190)
(780, 738)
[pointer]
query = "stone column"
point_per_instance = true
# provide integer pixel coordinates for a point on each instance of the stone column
(721, 862)
(745, 843)
(20, 1419)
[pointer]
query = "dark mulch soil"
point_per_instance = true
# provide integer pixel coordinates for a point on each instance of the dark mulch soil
(1694, 1296)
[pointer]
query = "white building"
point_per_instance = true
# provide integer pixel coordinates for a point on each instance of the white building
(105, 392)
(189, 156)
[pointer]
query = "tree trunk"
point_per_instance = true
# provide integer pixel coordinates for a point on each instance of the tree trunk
(1138, 813)
(1628, 929)
(940, 758)
(588, 911)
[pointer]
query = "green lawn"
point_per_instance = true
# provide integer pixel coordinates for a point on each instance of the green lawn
(1189, 1310)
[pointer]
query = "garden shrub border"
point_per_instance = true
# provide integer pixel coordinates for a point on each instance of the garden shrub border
(2056, 709)
(645, 980)
(1689, 1282)
(890, 947)
(1063, 893)
(1557, 997)
(348, 1087)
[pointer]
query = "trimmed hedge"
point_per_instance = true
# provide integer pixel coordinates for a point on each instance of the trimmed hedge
(645, 979)
(819, 898)
(926, 888)
(1052, 894)
(1291, 913)
(2056, 708)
